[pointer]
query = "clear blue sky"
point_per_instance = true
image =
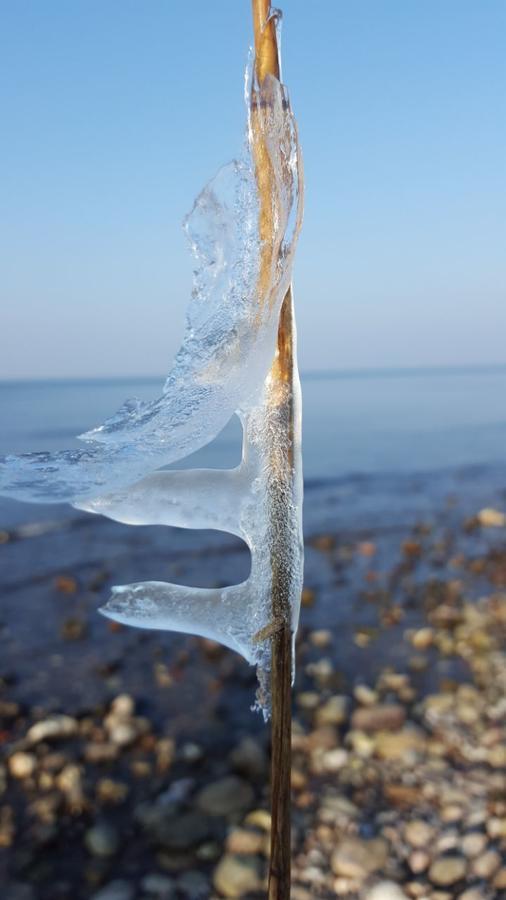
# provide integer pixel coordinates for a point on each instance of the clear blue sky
(114, 114)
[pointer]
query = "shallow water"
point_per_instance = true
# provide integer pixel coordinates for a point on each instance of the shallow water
(385, 426)
(354, 421)
(382, 450)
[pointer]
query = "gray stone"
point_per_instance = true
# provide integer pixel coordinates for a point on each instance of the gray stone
(249, 758)
(194, 885)
(225, 797)
(473, 894)
(160, 886)
(115, 890)
(173, 830)
(18, 891)
(191, 752)
(102, 840)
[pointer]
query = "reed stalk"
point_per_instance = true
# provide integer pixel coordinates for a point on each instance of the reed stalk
(281, 463)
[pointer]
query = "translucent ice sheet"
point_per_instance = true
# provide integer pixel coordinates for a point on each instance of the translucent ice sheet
(226, 365)
(228, 343)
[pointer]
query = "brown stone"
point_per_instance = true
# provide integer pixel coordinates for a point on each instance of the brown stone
(333, 712)
(367, 549)
(66, 584)
(423, 638)
(237, 875)
(321, 638)
(308, 597)
(324, 542)
(418, 861)
(355, 858)
(245, 841)
(381, 717)
(22, 765)
(473, 844)
(53, 728)
(418, 833)
(486, 865)
(447, 870)
(412, 549)
(500, 880)
(405, 796)
(491, 518)
(394, 746)
(365, 695)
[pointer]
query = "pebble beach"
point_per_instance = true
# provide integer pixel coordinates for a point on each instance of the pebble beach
(132, 765)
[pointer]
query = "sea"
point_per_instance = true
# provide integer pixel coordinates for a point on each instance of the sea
(365, 433)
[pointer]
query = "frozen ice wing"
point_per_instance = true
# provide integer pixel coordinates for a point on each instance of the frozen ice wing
(197, 498)
(220, 615)
(228, 344)
(229, 362)
(237, 501)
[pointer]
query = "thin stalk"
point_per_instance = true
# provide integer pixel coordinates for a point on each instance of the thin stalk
(281, 463)
(281, 642)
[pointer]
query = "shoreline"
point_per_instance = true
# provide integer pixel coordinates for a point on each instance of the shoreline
(160, 778)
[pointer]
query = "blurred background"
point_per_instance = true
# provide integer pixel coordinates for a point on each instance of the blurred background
(147, 774)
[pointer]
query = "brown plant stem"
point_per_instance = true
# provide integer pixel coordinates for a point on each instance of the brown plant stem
(281, 642)
(267, 63)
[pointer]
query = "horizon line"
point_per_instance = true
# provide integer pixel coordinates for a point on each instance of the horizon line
(310, 374)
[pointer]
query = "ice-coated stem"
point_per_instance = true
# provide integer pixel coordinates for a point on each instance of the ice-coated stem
(281, 477)
(281, 645)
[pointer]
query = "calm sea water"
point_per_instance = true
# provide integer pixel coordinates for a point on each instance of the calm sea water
(355, 423)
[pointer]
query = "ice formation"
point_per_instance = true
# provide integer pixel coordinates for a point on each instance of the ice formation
(226, 365)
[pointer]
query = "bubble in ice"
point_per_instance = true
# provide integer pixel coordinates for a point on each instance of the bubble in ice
(224, 367)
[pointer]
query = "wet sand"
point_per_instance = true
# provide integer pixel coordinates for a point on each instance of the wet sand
(132, 766)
